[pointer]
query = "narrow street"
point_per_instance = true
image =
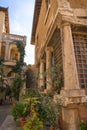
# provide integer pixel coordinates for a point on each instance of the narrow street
(5, 110)
(6, 119)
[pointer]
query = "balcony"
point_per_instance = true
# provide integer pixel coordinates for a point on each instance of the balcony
(12, 37)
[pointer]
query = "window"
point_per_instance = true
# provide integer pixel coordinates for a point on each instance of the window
(80, 47)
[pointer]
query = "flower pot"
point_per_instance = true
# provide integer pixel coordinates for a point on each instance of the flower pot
(22, 122)
(14, 103)
(52, 128)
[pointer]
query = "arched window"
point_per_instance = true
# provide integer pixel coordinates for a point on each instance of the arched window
(14, 54)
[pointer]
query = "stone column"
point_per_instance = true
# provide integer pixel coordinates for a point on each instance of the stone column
(42, 72)
(71, 93)
(49, 51)
(7, 51)
(70, 119)
(69, 62)
(2, 22)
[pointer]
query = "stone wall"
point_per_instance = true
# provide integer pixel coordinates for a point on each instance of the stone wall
(78, 3)
(2, 23)
(75, 104)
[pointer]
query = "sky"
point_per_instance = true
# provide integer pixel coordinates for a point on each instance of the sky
(20, 21)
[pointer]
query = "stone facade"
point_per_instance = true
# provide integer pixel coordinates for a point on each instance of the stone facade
(8, 47)
(59, 33)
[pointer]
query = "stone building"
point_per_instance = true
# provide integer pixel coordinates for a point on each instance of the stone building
(8, 45)
(8, 48)
(59, 34)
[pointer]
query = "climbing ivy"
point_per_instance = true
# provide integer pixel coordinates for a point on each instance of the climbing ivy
(20, 49)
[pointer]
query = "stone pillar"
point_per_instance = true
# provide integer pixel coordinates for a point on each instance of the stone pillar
(69, 62)
(2, 24)
(49, 51)
(72, 94)
(72, 118)
(7, 51)
(42, 72)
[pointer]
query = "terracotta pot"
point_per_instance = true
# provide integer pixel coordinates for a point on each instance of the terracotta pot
(14, 103)
(52, 128)
(22, 122)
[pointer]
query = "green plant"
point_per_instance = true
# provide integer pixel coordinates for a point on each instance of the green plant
(56, 73)
(19, 63)
(17, 82)
(33, 123)
(21, 50)
(47, 109)
(51, 115)
(19, 110)
(8, 91)
(17, 68)
(42, 109)
(83, 125)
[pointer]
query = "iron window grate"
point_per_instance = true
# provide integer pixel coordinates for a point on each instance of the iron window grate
(80, 48)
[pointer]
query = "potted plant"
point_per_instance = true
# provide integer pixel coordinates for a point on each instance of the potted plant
(49, 110)
(17, 82)
(20, 110)
(51, 117)
(33, 121)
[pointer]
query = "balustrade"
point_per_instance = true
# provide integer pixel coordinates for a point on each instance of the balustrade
(12, 37)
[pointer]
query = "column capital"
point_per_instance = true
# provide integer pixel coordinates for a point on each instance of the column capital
(49, 49)
(65, 23)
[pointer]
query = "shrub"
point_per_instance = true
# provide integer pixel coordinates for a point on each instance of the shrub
(83, 125)
(20, 110)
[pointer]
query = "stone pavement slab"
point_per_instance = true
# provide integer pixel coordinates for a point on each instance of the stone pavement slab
(8, 124)
(5, 110)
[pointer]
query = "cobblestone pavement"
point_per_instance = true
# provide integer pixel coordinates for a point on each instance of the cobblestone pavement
(5, 110)
(6, 119)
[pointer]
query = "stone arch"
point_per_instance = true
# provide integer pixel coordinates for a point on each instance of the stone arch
(14, 54)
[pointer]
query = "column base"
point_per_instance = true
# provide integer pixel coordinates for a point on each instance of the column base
(74, 108)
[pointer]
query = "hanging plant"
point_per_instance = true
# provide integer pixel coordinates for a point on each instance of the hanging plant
(19, 63)
(20, 49)
(17, 82)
